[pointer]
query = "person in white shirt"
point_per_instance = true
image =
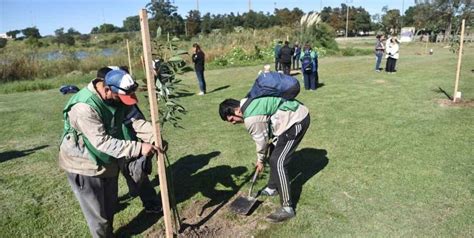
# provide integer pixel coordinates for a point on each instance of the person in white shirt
(392, 55)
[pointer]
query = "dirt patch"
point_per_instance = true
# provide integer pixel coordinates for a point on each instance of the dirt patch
(218, 221)
(460, 103)
(380, 81)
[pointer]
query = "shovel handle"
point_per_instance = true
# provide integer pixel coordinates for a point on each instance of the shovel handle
(254, 178)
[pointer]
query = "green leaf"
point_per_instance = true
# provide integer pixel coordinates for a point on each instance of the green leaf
(175, 59)
(181, 52)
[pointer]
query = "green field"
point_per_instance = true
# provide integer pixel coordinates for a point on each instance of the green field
(385, 156)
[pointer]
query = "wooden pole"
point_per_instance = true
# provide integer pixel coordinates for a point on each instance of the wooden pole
(458, 71)
(129, 59)
(154, 118)
(143, 64)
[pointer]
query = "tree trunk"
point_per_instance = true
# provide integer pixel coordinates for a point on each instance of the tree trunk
(447, 33)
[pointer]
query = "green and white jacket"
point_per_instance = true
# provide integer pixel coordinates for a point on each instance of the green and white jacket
(96, 135)
(269, 117)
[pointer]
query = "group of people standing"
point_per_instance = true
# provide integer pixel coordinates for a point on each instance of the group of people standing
(390, 48)
(287, 58)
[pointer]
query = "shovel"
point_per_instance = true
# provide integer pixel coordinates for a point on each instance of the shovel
(243, 205)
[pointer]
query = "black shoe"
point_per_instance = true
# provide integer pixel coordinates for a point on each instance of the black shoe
(281, 215)
(154, 209)
(269, 192)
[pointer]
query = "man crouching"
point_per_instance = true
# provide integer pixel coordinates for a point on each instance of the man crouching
(283, 121)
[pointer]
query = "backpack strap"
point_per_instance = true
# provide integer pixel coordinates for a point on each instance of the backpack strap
(246, 104)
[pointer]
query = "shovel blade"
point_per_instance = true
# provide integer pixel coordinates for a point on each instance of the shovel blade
(243, 205)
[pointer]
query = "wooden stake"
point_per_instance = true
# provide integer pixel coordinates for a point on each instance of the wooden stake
(458, 70)
(154, 118)
(143, 64)
(129, 59)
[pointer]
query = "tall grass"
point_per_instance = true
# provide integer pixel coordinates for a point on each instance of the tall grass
(28, 65)
(246, 47)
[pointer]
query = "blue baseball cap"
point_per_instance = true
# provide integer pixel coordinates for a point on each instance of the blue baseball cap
(121, 83)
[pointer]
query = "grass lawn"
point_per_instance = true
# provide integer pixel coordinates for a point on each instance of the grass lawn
(385, 156)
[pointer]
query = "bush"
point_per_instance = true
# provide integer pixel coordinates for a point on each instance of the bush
(17, 67)
(33, 42)
(3, 42)
(354, 51)
(320, 35)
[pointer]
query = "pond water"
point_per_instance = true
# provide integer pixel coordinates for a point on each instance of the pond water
(81, 54)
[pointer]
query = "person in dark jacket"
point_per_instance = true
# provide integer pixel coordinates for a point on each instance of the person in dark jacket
(296, 55)
(198, 58)
(285, 55)
(276, 52)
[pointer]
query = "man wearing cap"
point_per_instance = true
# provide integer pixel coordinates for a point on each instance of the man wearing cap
(92, 142)
(136, 171)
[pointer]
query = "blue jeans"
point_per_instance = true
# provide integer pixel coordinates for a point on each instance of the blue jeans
(201, 81)
(378, 59)
(309, 80)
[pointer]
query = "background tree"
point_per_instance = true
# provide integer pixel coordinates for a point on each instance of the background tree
(65, 38)
(164, 15)
(193, 22)
(95, 30)
(391, 21)
(451, 11)
(250, 19)
(422, 17)
(71, 31)
(206, 23)
(326, 14)
(362, 21)
(105, 28)
(13, 33)
(132, 23)
(31, 32)
(337, 18)
(287, 17)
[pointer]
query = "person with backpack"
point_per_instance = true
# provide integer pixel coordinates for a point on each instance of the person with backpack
(276, 119)
(296, 55)
(285, 55)
(94, 138)
(198, 59)
(276, 53)
(308, 67)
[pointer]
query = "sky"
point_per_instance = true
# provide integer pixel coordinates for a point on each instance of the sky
(83, 15)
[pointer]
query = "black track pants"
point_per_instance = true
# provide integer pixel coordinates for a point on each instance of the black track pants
(281, 156)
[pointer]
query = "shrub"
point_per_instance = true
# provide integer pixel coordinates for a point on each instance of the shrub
(3, 42)
(33, 42)
(320, 35)
(354, 51)
(17, 67)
